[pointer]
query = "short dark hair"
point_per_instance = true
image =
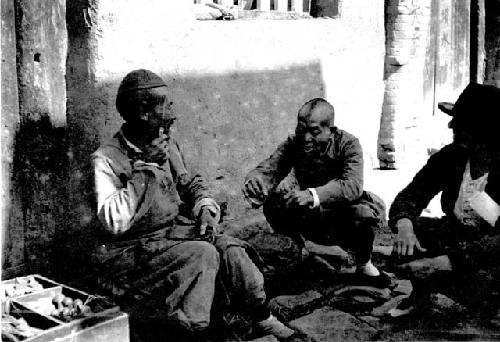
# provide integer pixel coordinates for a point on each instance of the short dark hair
(319, 102)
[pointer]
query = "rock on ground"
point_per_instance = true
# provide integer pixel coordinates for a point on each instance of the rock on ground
(327, 325)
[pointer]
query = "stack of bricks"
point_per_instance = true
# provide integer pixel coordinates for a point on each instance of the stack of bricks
(407, 28)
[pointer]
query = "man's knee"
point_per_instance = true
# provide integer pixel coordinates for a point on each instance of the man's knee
(245, 279)
(236, 256)
(232, 250)
(363, 215)
(274, 214)
(274, 205)
(282, 218)
(201, 253)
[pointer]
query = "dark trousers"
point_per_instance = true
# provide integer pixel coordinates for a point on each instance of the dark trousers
(349, 225)
(475, 257)
(180, 278)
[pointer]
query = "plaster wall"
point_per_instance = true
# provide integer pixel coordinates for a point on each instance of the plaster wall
(237, 85)
(33, 119)
(12, 238)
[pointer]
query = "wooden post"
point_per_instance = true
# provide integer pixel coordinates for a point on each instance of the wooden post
(477, 41)
(281, 5)
(298, 5)
(245, 4)
(264, 5)
(227, 3)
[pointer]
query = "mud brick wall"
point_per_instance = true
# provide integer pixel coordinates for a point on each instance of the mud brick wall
(236, 86)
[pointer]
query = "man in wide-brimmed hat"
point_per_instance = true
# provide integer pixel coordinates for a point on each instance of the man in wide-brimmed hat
(458, 253)
(162, 221)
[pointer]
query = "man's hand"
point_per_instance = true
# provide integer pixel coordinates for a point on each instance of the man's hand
(157, 150)
(207, 222)
(255, 189)
(286, 186)
(406, 241)
(299, 199)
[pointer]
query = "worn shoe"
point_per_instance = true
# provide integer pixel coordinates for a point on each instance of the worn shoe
(272, 326)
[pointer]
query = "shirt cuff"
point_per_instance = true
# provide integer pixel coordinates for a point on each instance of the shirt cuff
(208, 203)
(138, 164)
(315, 197)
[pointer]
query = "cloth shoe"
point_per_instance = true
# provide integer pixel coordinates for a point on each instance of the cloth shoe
(272, 326)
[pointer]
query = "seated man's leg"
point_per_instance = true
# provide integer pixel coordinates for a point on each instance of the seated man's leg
(190, 268)
(359, 232)
(356, 226)
(435, 234)
(429, 271)
(244, 284)
(182, 277)
(476, 274)
(282, 218)
(243, 281)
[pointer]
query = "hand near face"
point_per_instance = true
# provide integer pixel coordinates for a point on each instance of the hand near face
(299, 198)
(157, 150)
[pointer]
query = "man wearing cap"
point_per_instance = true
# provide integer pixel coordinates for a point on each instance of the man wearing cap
(311, 188)
(161, 221)
(458, 253)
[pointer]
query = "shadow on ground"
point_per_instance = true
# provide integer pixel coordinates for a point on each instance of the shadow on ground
(316, 297)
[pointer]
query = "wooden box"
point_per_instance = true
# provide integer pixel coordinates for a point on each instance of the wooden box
(103, 322)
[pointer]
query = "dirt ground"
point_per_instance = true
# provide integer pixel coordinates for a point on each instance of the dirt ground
(316, 299)
(315, 296)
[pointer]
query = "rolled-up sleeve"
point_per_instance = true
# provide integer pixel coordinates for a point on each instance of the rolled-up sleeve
(273, 169)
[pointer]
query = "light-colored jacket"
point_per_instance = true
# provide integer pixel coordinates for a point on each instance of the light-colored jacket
(135, 197)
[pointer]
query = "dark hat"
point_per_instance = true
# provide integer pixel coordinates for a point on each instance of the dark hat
(140, 79)
(476, 110)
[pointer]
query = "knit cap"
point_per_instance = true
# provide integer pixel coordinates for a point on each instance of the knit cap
(140, 79)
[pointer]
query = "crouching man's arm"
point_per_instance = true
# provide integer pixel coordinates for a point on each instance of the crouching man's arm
(262, 179)
(349, 186)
